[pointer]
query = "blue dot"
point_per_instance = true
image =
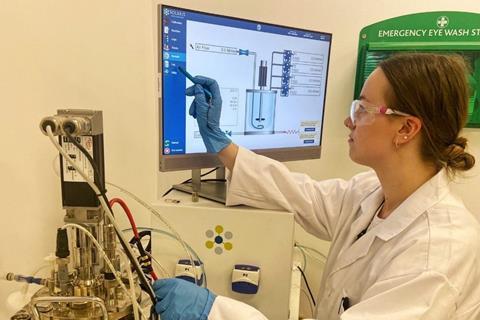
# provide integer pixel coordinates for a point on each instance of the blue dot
(218, 239)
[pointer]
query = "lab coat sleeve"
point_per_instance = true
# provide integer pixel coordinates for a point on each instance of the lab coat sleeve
(225, 308)
(427, 296)
(260, 182)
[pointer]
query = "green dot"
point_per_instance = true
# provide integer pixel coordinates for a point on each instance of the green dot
(209, 244)
(228, 246)
(218, 229)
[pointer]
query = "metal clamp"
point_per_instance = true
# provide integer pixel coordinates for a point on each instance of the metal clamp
(94, 300)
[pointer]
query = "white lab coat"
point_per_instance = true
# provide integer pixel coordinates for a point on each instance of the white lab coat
(422, 262)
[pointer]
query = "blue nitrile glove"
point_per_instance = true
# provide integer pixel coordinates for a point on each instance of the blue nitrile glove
(208, 114)
(182, 300)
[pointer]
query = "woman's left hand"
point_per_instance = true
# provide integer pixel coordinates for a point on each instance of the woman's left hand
(181, 300)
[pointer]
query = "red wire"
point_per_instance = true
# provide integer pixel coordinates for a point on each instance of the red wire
(128, 213)
(132, 223)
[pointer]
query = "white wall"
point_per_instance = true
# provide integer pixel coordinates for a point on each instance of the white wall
(99, 55)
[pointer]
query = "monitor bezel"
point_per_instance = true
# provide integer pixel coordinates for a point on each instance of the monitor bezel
(204, 160)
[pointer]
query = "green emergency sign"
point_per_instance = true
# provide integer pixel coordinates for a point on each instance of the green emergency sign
(445, 32)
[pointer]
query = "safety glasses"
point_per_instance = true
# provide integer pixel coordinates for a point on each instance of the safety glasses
(363, 113)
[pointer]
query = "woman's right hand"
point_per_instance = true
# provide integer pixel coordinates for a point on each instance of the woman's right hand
(208, 113)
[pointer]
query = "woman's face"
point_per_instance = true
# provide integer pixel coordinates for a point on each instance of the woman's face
(372, 143)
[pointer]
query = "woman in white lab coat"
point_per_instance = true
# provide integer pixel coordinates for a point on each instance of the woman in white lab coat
(403, 247)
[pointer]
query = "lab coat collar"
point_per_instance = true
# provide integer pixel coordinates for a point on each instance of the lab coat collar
(427, 195)
(415, 205)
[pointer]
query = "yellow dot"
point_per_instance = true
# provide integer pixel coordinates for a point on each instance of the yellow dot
(228, 246)
(218, 229)
(209, 244)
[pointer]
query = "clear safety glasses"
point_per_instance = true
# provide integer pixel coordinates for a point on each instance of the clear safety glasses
(363, 113)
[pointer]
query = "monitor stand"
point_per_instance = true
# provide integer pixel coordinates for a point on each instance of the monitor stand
(212, 190)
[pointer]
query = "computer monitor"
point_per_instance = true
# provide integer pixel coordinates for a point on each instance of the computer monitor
(272, 79)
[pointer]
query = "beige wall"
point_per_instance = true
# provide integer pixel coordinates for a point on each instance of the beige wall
(99, 55)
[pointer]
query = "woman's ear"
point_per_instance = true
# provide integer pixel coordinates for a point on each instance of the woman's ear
(409, 129)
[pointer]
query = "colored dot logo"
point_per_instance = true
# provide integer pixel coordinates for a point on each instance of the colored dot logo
(218, 240)
(442, 22)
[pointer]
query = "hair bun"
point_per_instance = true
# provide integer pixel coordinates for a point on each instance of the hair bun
(456, 157)
(460, 142)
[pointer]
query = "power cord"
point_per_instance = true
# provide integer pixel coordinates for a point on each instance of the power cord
(308, 286)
